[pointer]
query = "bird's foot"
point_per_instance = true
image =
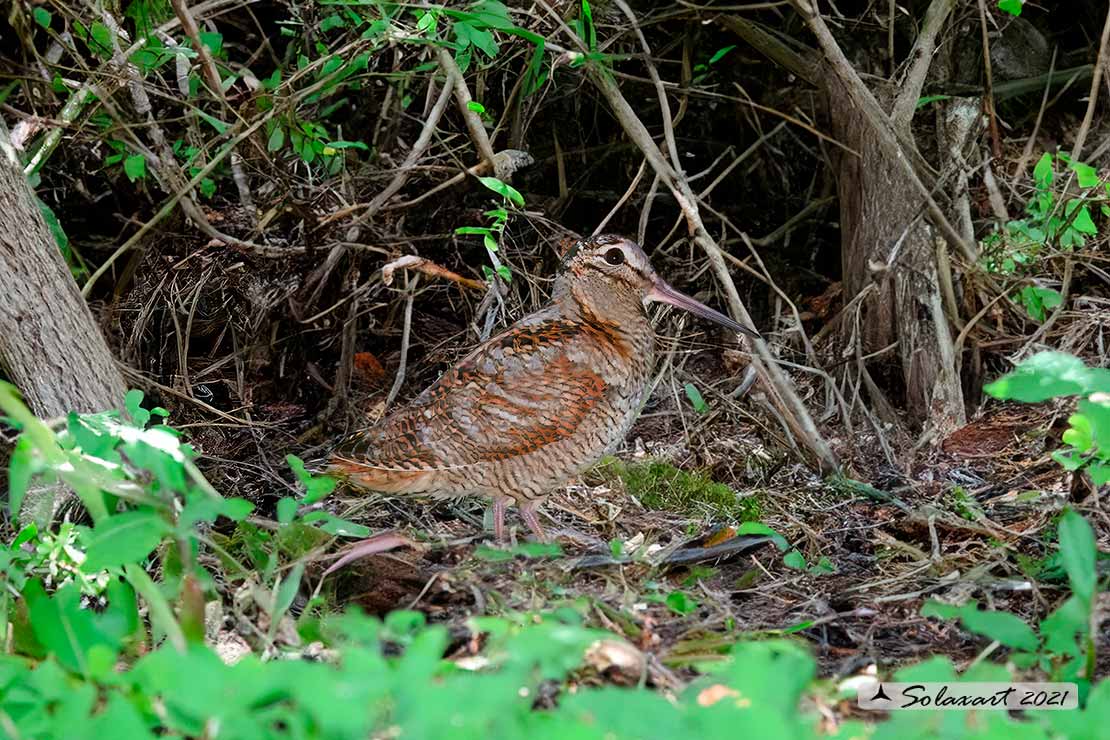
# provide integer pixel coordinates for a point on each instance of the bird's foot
(528, 514)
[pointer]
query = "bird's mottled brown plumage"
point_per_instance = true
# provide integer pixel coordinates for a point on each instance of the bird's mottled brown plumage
(535, 405)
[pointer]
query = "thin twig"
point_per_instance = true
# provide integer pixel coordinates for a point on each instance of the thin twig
(473, 120)
(406, 332)
(996, 139)
(1092, 99)
(777, 383)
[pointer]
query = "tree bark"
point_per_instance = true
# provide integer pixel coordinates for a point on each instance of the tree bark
(50, 346)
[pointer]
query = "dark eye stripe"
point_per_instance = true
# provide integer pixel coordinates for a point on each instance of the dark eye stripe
(615, 256)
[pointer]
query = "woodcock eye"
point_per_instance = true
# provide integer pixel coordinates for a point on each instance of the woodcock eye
(615, 256)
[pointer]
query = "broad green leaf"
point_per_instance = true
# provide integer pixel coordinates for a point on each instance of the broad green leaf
(795, 560)
(695, 397)
(1013, 7)
(1083, 223)
(102, 39)
(336, 526)
(1042, 173)
(681, 603)
(42, 16)
(1002, 627)
(286, 510)
(503, 189)
(134, 167)
(1086, 175)
(64, 628)
(1043, 376)
(132, 402)
(21, 469)
(220, 127)
(1079, 434)
(1078, 552)
(123, 538)
(1061, 626)
(284, 593)
(761, 528)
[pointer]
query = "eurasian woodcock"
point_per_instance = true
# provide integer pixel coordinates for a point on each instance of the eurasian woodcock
(537, 404)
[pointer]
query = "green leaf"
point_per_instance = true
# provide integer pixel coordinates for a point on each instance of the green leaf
(720, 54)
(55, 227)
(695, 397)
(681, 603)
(1077, 552)
(1038, 300)
(1013, 7)
(134, 167)
(332, 21)
(1079, 433)
(503, 189)
(21, 469)
(102, 38)
(1043, 376)
(1086, 175)
(348, 145)
(316, 486)
(925, 100)
(475, 106)
(123, 538)
(472, 230)
(284, 593)
(220, 126)
(1042, 173)
(1002, 627)
(42, 17)
(795, 560)
(505, 273)
(335, 526)
(490, 243)
(286, 510)
(69, 631)
(761, 528)
(1083, 223)
(276, 140)
(214, 41)
(132, 402)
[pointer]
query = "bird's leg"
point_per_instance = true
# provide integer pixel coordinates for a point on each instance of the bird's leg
(499, 517)
(528, 514)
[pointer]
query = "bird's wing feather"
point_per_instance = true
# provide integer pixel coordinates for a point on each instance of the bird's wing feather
(517, 392)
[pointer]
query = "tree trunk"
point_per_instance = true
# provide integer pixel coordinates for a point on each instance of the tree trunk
(50, 346)
(886, 242)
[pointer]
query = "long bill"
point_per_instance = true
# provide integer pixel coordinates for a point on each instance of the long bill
(664, 293)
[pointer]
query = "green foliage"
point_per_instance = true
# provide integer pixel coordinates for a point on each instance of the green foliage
(1048, 375)
(492, 234)
(695, 398)
(1013, 7)
(1065, 648)
(1038, 301)
(98, 648)
(660, 485)
(1053, 221)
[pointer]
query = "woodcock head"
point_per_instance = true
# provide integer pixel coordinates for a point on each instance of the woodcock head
(609, 274)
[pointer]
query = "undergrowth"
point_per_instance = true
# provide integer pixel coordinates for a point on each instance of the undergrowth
(107, 633)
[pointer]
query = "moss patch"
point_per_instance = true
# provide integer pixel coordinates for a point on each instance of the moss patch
(661, 486)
